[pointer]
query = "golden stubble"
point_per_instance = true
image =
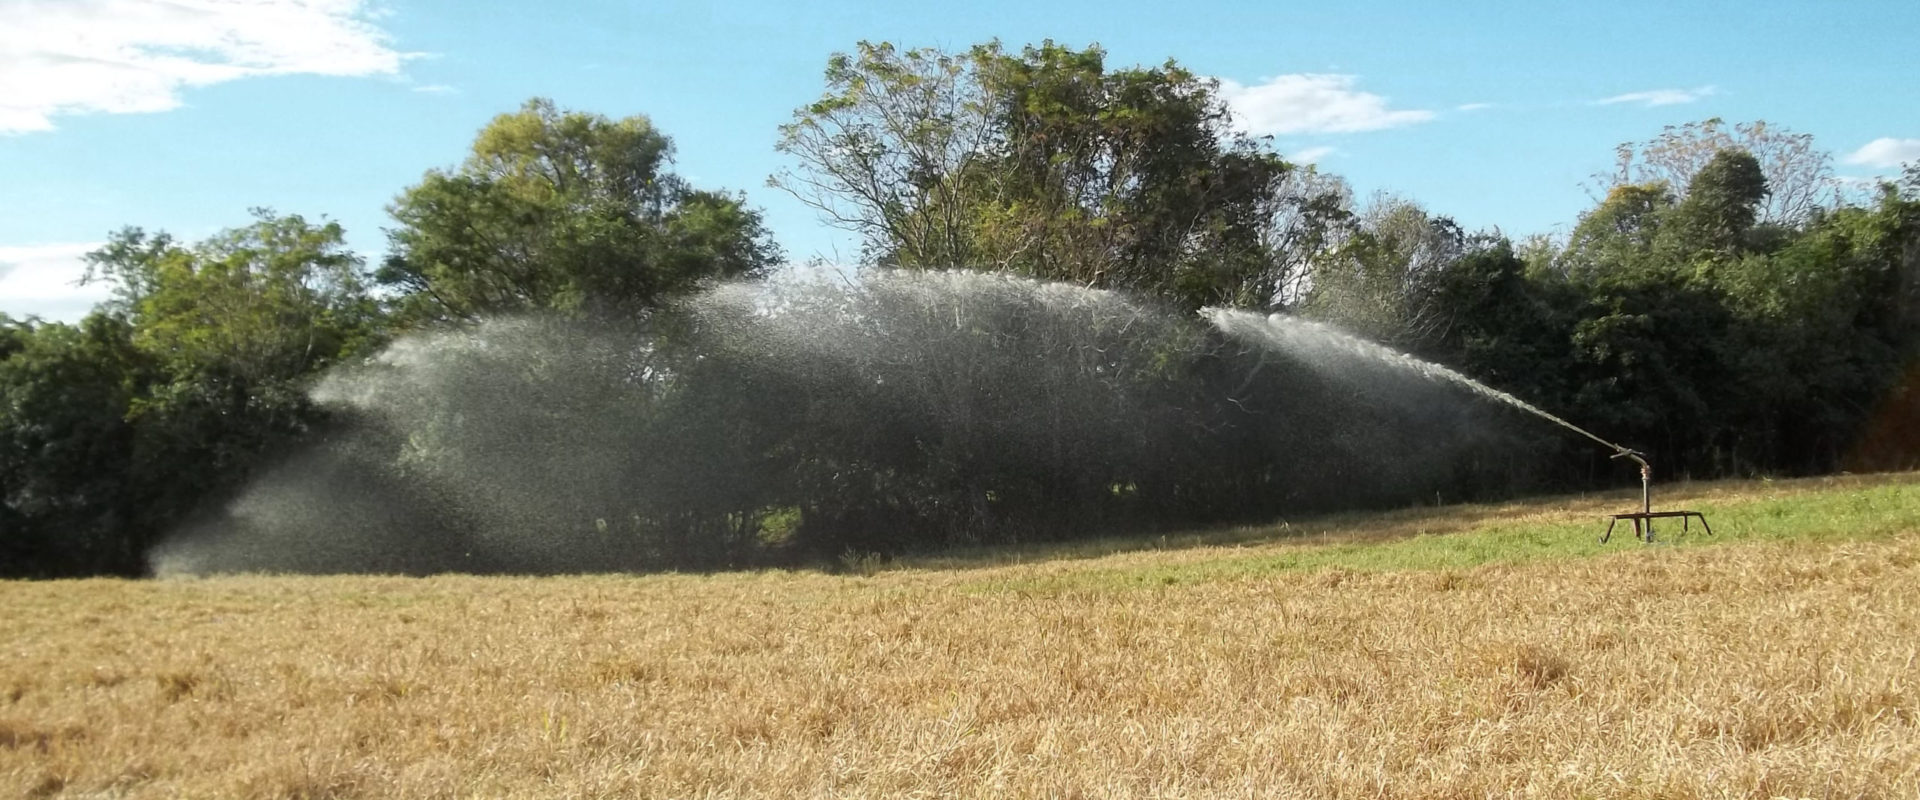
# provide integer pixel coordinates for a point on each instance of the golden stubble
(1745, 670)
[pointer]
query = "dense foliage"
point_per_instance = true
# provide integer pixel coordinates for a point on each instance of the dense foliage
(1724, 306)
(1049, 165)
(563, 212)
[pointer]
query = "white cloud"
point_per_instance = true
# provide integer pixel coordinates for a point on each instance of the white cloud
(1886, 152)
(436, 88)
(43, 280)
(1660, 97)
(1311, 155)
(62, 57)
(1308, 103)
(1473, 107)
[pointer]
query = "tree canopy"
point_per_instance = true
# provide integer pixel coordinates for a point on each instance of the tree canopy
(1798, 173)
(1049, 164)
(564, 212)
(167, 398)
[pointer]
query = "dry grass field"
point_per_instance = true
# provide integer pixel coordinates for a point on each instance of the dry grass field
(1463, 652)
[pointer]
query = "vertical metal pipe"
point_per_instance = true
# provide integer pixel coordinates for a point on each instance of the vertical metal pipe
(1646, 493)
(1646, 488)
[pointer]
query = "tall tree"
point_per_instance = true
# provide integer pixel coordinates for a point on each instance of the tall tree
(1368, 283)
(1315, 218)
(274, 300)
(879, 151)
(1618, 235)
(237, 326)
(1798, 173)
(166, 399)
(65, 443)
(1044, 163)
(1722, 204)
(1129, 178)
(564, 212)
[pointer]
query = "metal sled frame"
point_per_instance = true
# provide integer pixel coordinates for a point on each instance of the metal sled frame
(1643, 519)
(1648, 517)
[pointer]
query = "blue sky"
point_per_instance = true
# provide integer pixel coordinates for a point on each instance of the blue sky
(182, 115)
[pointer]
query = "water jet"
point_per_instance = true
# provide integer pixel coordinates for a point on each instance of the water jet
(1322, 342)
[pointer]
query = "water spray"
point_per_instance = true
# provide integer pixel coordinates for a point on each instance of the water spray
(538, 445)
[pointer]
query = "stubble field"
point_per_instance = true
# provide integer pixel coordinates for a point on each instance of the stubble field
(1455, 652)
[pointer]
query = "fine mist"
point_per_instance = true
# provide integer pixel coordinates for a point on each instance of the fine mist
(791, 422)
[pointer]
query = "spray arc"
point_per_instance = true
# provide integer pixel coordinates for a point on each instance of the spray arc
(966, 405)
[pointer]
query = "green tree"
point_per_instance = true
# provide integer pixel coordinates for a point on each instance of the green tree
(879, 151)
(1651, 364)
(1723, 202)
(563, 212)
(1369, 282)
(1129, 178)
(1828, 327)
(169, 397)
(1618, 235)
(1048, 164)
(275, 300)
(1493, 318)
(1799, 173)
(240, 323)
(1643, 229)
(65, 446)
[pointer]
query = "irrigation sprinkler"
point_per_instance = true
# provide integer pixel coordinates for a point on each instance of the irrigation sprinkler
(1643, 519)
(1646, 515)
(1280, 330)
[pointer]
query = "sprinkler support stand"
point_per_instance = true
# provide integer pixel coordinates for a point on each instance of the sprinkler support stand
(1646, 514)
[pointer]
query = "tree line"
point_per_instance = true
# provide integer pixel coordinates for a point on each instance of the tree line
(1726, 304)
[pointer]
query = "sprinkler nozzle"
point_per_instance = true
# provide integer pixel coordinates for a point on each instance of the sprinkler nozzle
(1646, 470)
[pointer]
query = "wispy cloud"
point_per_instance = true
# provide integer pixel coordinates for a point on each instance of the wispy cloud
(436, 88)
(1660, 97)
(1886, 152)
(60, 57)
(1309, 103)
(1311, 155)
(1473, 107)
(43, 280)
